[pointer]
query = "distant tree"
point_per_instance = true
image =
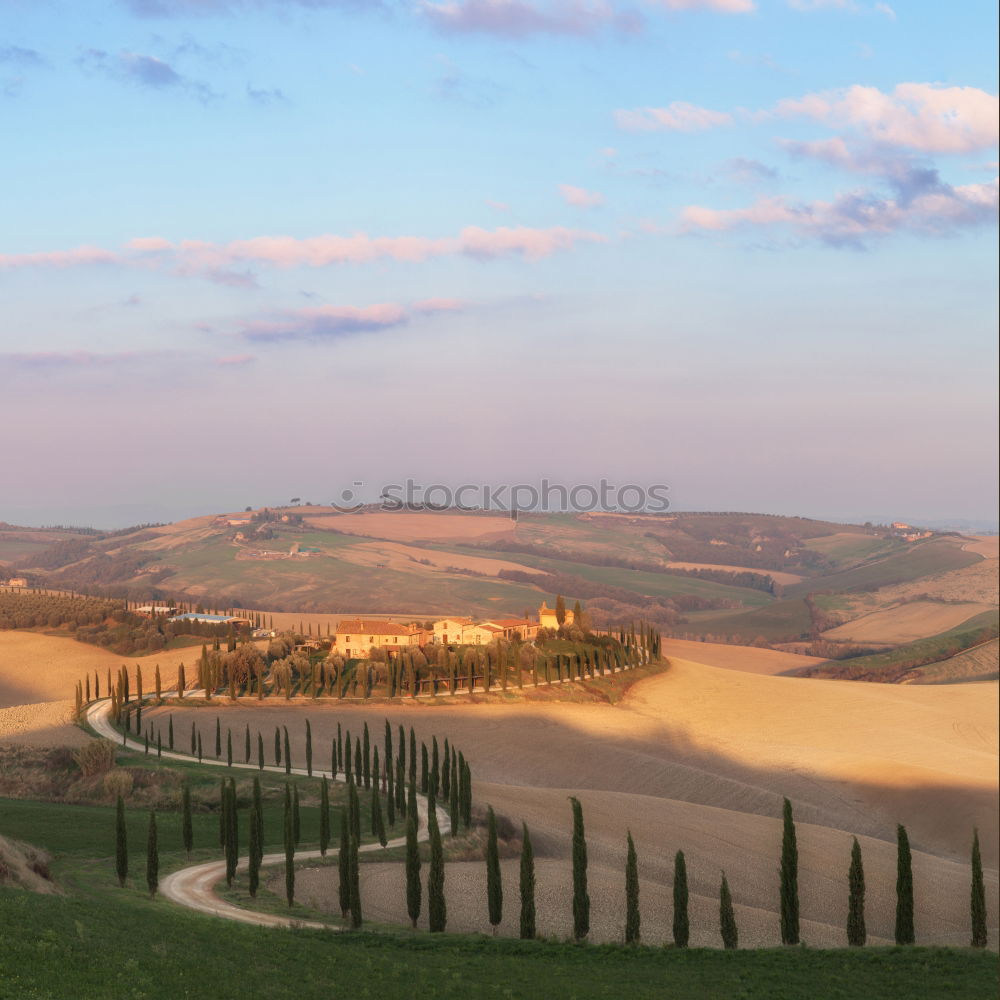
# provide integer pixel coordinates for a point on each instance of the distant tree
(681, 926)
(309, 749)
(287, 751)
(187, 828)
(260, 752)
(560, 610)
(904, 888)
(978, 898)
(727, 916)
(277, 747)
(324, 816)
(229, 748)
(344, 865)
(581, 899)
(632, 919)
(494, 886)
(366, 750)
(437, 910)
(121, 842)
(170, 732)
(527, 885)
(413, 888)
(856, 932)
(789, 879)
(246, 744)
(152, 857)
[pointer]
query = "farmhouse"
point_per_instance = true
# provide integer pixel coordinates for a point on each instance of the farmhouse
(449, 630)
(517, 628)
(356, 636)
(547, 617)
(197, 616)
(16, 581)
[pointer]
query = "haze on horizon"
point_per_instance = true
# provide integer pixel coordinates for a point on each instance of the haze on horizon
(256, 250)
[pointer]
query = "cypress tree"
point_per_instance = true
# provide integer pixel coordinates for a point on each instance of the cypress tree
(121, 842)
(789, 879)
(581, 899)
(378, 823)
(355, 885)
(467, 803)
(400, 789)
(527, 884)
(254, 860)
(437, 910)
(367, 757)
(390, 795)
(388, 746)
(199, 747)
(977, 905)
(296, 820)
(289, 836)
(339, 766)
(401, 755)
(727, 917)
(152, 857)
(246, 744)
(232, 833)
(229, 748)
(348, 771)
(344, 865)
(413, 755)
(258, 817)
(359, 775)
(681, 926)
(435, 775)
(413, 888)
(218, 739)
(170, 732)
(223, 813)
(324, 817)
(287, 751)
(494, 886)
(632, 919)
(354, 811)
(309, 749)
(277, 747)
(187, 828)
(446, 772)
(260, 752)
(193, 747)
(159, 745)
(424, 770)
(453, 813)
(856, 932)
(904, 888)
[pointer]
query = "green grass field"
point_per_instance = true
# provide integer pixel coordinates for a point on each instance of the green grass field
(934, 555)
(779, 620)
(848, 549)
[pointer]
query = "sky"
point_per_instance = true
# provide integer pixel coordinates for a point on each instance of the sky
(260, 249)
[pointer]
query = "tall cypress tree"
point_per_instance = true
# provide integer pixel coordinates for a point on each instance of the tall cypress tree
(260, 752)
(170, 732)
(494, 886)
(258, 817)
(296, 817)
(121, 842)
(309, 749)
(277, 747)
(354, 811)
(218, 739)
(246, 744)
(348, 769)
(977, 905)
(339, 764)
(390, 795)
(223, 814)
(289, 836)
(904, 888)
(789, 879)
(378, 822)
(424, 770)
(581, 899)
(253, 873)
(435, 775)
(413, 888)
(681, 924)
(856, 931)
(229, 748)
(454, 817)
(437, 910)
(355, 885)
(232, 834)
(344, 865)
(632, 919)
(366, 750)
(446, 771)
(187, 827)
(527, 885)
(324, 816)
(287, 749)
(152, 856)
(727, 916)
(413, 754)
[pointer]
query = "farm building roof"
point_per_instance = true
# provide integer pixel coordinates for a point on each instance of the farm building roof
(360, 625)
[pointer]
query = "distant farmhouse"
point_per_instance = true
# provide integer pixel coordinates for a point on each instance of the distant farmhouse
(16, 581)
(206, 619)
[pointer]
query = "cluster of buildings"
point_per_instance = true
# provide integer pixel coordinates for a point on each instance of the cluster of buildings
(355, 637)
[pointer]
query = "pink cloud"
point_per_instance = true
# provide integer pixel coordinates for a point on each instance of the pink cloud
(720, 6)
(439, 305)
(59, 258)
(921, 116)
(676, 117)
(580, 197)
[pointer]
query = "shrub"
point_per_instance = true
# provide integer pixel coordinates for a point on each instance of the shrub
(95, 757)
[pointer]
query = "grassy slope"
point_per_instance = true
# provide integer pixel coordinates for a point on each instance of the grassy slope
(780, 620)
(934, 555)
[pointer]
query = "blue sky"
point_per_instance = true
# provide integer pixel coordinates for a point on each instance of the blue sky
(254, 250)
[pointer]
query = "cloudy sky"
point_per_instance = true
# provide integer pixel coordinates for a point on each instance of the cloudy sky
(256, 249)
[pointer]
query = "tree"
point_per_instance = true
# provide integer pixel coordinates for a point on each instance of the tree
(560, 609)
(856, 932)
(727, 916)
(904, 888)
(413, 888)
(378, 822)
(232, 834)
(494, 886)
(287, 751)
(260, 752)
(324, 817)
(366, 760)
(218, 738)
(527, 885)
(632, 920)
(255, 849)
(424, 770)
(309, 749)
(121, 842)
(789, 879)
(289, 849)
(581, 899)
(152, 857)
(978, 898)
(355, 885)
(187, 828)
(681, 927)
(344, 865)
(277, 747)
(229, 748)
(296, 818)
(437, 910)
